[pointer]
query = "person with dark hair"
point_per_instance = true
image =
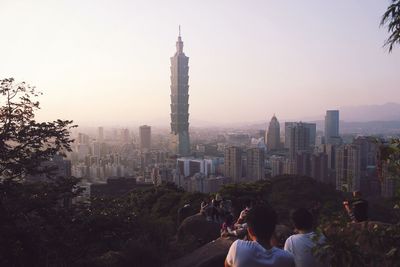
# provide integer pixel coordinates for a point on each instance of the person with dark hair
(358, 208)
(261, 222)
(302, 243)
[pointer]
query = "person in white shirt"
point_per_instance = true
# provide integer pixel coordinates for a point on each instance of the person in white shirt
(258, 252)
(302, 243)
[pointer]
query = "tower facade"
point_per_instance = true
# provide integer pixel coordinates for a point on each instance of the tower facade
(299, 139)
(331, 126)
(145, 137)
(348, 164)
(273, 135)
(233, 163)
(255, 164)
(180, 143)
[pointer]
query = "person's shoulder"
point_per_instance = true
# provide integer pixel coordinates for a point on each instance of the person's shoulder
(281, 252)
(289, 240)
(243, 243)
(284, 256)
(293, 238)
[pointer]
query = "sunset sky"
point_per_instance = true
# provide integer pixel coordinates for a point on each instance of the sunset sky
(107, 62)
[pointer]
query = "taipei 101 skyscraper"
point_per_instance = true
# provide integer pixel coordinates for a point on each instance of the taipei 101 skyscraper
(180, 143)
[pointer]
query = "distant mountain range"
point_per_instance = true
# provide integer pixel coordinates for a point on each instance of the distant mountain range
(365, 119)
(385, 112)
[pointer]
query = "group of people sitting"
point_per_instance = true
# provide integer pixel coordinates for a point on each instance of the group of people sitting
(216, 209)
(259, 248)
(258, 245)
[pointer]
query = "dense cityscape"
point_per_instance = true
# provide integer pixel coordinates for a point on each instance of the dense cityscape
(126, 158)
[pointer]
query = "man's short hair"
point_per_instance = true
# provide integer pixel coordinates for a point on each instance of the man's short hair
(262, 220)
(302, 219)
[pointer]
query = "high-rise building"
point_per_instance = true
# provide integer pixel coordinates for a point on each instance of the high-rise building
(331, 126)
(388, 181)
(348, 168)
(319, 167)
(180, 143)
(273, 139)
(277, 164)
(255, 164)
(369, 181)
(124, 136)
(330, 151)
(299, 139)
(312, 127)
(233, 163)
(96, 149)
(145, 137)
(100, 134)
(303, 163)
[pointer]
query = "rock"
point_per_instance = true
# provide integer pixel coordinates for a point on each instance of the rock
(210, 255)
(198, 228)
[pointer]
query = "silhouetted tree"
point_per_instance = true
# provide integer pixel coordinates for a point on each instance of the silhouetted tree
(391, 18)
(24, 142)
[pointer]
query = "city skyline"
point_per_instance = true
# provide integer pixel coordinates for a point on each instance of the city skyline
(110, 61)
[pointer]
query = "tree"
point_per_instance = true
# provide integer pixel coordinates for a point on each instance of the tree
(24, 142)
(391, 18)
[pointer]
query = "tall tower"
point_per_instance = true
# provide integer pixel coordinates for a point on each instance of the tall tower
(273, 135)
(180, 143)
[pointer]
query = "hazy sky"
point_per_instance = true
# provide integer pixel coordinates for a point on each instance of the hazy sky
(107, 62)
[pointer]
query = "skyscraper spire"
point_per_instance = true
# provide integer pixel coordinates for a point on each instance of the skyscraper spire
(180, 143)
(179, 43)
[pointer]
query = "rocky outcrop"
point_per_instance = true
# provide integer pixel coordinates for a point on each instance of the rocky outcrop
(197, 228)
(210, 255)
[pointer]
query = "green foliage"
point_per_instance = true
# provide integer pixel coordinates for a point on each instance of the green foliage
(242, 193)
(285, 193)
(291, 192)
(361, 244)
(35, 226)
(391, 18)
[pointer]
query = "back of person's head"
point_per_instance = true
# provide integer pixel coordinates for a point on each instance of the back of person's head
(357, 194)
(261, 220)
(302, 219)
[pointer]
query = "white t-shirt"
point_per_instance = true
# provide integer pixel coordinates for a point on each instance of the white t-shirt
(301, 246)
(252, 254)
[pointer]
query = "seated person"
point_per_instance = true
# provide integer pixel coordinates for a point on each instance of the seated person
(228, 228)
(261, 221)
(302, 243)
(204, 205)
(358, 208)
(242, 217)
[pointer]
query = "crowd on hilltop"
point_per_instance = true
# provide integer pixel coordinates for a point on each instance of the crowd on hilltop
(258, 243)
